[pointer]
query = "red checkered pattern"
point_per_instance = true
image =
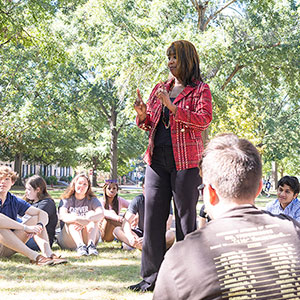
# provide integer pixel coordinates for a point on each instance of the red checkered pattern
(193, 115)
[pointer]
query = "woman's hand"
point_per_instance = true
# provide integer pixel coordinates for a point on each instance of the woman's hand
(163, 95)
(140, 107)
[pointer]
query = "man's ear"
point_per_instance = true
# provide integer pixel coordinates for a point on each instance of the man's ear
(259, 188)
(213, 197)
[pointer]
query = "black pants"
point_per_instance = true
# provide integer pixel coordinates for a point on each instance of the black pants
(162, 181)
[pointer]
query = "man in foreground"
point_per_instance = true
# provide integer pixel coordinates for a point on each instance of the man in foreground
(13, 234)
(243, 253)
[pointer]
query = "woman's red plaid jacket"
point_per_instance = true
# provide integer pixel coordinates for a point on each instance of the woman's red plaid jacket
(193, 115)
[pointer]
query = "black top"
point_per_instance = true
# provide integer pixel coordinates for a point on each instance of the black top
(163, 134)
(48, 205)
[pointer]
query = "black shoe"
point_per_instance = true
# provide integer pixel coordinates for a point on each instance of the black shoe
(143, 286)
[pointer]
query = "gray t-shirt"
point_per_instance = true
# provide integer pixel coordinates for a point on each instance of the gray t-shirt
(80, 207)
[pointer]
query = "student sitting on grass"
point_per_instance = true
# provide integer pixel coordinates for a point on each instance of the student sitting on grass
(132, 236)
(13, 234)
(112, 205)
(81, 212)
(286, 202)
(37, 196)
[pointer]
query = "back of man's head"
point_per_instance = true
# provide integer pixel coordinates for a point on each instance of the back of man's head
(233, 167)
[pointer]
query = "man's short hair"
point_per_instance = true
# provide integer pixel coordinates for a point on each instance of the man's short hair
(232, 166)
(291, 181)
(6, 171)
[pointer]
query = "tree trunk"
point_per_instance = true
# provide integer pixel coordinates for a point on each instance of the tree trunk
(94, 175)
(113, 145)
(18, 168)
(281, 172)
(274, 174)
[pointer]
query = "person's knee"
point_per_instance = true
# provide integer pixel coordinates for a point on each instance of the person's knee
(117, 232)
(4, 232)
(170, 238)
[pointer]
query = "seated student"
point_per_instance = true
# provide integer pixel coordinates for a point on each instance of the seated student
(244, 252)
(81, 212)
(286, 202)
(13, 234)
(112, 205)
(37, 196)
(133, 236)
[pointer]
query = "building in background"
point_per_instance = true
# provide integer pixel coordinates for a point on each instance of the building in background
(39, 169)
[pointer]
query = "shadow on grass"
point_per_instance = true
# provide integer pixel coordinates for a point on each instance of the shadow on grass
(111, 265)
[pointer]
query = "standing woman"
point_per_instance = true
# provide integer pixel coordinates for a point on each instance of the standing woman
(176, 113)
(81, 211)
(112, 204)
(37, 195)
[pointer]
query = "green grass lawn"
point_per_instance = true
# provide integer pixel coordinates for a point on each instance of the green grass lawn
(103, 277)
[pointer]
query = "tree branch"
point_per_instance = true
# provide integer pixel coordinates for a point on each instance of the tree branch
(229, 78)
(104, 109)
(212, 16)
(122, 125)
(1, 45)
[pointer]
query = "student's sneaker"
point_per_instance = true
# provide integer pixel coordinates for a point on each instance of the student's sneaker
(57, 260)
(82, 250)
(42, 261)
(92, 250)
(127, 247)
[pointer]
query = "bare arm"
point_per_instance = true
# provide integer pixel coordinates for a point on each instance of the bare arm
(41, 215)
(95, 215)
(133, 239)
(8, 223)
(112, 215)
(68, 218)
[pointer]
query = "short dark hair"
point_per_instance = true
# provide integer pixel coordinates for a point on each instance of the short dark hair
(187, 61)
(233, 166)
(291, 181)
